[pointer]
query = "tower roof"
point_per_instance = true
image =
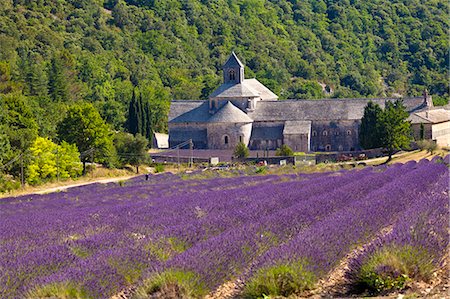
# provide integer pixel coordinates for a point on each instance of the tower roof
(233, 61)
(230, 114)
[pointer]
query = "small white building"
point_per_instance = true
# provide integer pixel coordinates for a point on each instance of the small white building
(160, 140)
(432, 124)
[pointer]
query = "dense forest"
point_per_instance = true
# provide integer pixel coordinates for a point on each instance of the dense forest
(55, 54)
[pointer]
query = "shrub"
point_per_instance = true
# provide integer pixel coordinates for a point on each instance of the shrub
(284, 151)
(390, 268)
(171, 284)
(63, 290)
(428, 145)
(7, 183)
(159, 168)
(280, 280)
(241, 150)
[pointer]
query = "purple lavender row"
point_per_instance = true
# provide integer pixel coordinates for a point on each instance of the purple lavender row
(328, 240)
(221, 257)
(55, 223)
(422, 230)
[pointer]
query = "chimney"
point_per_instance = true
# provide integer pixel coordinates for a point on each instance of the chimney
(427, 99)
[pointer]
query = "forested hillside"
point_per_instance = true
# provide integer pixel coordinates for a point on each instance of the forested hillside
(54, 53)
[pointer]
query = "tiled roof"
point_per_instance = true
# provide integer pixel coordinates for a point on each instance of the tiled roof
(433, 116)
(327, 109)
(249, 88)
(239, 90)
(296, 127)
(230, 114)
(233, 61)
(188, 111)
(289, 110)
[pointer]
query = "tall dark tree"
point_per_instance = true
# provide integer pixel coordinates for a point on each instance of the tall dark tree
(57, 83)
(369, 130)
(394, 127)
(133, 115)
(139, 117)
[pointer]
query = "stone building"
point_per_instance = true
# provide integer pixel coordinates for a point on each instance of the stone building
(432, 124)
(244, 110)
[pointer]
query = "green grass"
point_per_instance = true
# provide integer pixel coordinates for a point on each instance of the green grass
(130, 270)
(280, 280)
(172, 284)
(80, 252)
(165, 248)
(63, 290)
(391, 268)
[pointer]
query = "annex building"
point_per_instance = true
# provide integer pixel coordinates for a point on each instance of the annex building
(244, 110)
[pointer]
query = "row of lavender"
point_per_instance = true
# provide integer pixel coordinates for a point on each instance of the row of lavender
(99, 239)
(101, 228)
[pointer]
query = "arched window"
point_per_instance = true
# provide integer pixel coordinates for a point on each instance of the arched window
(341, 148)
(349, 132)
(232, 74)
(241, 139)
(314, 133)
(225, 139)
(325, 133)
(336, 133)
(328, 147)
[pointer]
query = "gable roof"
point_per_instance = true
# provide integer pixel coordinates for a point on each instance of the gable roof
(249, 88)
(296, 127)
(188, 111)
(434, 116)
(326, 109)
(289, 110)
(234, 90)
(233, 61)
(230, 114)
(264, 93)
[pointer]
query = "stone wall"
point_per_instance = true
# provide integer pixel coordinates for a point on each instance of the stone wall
(331, 135)
(416, 131)
(297, 142)
(228, 135)
(179, 133)
(441, 133)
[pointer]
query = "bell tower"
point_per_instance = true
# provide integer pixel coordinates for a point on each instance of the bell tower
(233, 70)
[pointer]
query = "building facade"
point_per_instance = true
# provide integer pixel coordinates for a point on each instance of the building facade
(244, 110)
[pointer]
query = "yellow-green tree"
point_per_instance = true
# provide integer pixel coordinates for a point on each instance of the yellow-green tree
(49, 161)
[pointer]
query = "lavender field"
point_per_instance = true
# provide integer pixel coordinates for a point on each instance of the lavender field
(96, 240)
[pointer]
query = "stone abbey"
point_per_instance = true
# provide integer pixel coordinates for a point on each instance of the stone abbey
(244, 110)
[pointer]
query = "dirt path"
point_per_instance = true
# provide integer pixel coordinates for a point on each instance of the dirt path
(102, 181)
(50, 189)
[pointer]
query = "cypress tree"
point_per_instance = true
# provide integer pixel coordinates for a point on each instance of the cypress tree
(148, 118)
(422, 132)
(132, 121)
(369, 131)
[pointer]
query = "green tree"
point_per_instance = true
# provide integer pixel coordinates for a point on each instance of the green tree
(395, 130)
(139, 117)
(68, 161)
(18, 120)
(131, 149)
(241, 151)
(43, 161)
(57, 82)
(50, 161)
(284, 151)
(133, 115)
(369, 130)
(84, 127)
